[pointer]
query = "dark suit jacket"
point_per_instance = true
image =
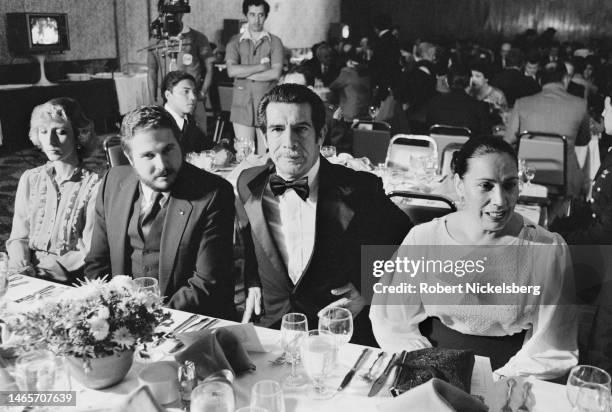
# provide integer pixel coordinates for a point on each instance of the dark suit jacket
(385, 64)
(332, 73)
(196, 245)
(457, 108)
(515, 85)
(591, 224)
(352, 90)
(194, 139)
(352, 210)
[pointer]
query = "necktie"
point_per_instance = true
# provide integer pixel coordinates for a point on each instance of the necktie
(149, 217)
(185, 124)
(280, 185)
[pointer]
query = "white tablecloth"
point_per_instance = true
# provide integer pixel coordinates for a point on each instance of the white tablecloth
(549, 396)
(132, 91)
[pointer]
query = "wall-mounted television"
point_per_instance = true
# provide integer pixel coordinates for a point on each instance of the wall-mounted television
(37, 33)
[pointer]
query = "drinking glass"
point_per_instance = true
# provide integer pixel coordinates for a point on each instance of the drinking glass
(530, 172)
(251, 409)
(268, 395)
(215, 396)
(147, 284)
(339, 323)
(318, 353)
(593, 397)
(294, 327)
(328, 151)
(208, 160)
(585, 374)
(373, 111)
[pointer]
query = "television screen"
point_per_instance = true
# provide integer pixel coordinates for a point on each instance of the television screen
(44, 30)
(36, 33)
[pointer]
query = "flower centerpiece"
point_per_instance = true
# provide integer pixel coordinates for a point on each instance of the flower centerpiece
(97, 320)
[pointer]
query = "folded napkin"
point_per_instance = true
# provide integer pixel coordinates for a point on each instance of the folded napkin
(212, 351)
(450, 365)
(141, 399)
(434, 395)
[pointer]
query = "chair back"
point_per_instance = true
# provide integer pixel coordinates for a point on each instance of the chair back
(114, 152)
(547, 152)
(371, 139)
(448, 135)
(422, 207)
(403, 147)
(226, 94)
(447, 157)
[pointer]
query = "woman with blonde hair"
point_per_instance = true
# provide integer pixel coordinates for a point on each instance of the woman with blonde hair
(54, 203)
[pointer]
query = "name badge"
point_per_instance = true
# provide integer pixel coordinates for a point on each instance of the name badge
(187, 59)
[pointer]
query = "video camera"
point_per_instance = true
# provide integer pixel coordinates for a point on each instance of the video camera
(168, 23)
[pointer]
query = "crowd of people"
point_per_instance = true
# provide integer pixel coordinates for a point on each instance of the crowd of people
(303, 220)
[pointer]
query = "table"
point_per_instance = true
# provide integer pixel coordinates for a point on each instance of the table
(549, 396)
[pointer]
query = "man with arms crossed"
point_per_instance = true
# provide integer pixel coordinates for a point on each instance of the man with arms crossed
(164, 218)
(255, 61)
(304, 219)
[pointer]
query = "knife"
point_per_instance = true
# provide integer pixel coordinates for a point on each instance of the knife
(349, 376)
(400, 368)
(380, 381)
(189, 320)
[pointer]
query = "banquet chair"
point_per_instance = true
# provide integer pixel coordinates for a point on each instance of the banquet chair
(403, 147)
(225, 102)
(422, 207)
(446, 158)
(371, 139)
(448, 135)
(547, 152)
(114, 151)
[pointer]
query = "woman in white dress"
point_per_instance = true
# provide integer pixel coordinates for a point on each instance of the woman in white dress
(523, 332)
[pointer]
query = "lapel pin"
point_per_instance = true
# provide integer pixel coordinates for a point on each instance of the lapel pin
(181, 212)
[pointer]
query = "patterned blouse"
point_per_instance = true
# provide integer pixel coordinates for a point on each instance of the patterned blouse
(53, 221)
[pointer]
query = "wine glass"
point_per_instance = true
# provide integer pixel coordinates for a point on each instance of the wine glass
(147, 284)
(530, 172)
(373, 111)
(214, 396)
(593, 397)
(294, 327)
(339, 323)
(585, 374)
(318, 353)
(268, 395)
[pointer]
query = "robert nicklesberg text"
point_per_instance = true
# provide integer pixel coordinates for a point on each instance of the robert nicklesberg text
(468, 287)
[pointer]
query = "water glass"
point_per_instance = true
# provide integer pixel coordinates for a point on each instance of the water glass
(268, 395)
(294, 327)
(147, 284)
(584, 374)
(215, 394)
(318, 353)
(41, 370)
(328, 151)
(530, 172)
(593, 397)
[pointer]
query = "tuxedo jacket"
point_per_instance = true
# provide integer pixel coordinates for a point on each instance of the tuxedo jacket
(457, 108)
(385, 63)
(515, 84)
(352, 210)
(196, 243)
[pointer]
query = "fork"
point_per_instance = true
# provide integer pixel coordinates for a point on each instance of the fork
(526, 392)
(31, 296)
(281, 360)
(368, 377)
(511, 383)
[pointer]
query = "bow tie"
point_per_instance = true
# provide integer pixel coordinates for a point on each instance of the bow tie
(280, 185)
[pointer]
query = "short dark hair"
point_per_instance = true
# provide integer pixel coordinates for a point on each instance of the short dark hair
(293, 93)
(515, 58)
(248, 3)
(172, 79)
(483, 67)
(458, 77)
(146, 117)
(304, 71)
(553, 73)
(479, 146)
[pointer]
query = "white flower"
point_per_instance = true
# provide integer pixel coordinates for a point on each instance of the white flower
(121, 282)
(123, 337)
(103, 312)
(98, 328)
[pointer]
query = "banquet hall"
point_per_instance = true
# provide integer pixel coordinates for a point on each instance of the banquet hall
(284, 205)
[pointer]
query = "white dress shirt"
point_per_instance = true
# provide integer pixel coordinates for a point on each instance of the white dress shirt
(292, 223)
(148, 197)
(177, 117)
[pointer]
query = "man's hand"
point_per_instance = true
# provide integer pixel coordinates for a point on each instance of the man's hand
(351, 300)
(253, 304)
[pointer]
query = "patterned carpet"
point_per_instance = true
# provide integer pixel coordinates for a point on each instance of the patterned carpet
(12, 167)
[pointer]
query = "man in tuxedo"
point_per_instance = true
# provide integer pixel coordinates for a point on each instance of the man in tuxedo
(512, 81)
(164, 218)
(179, 93)
(304, 219)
